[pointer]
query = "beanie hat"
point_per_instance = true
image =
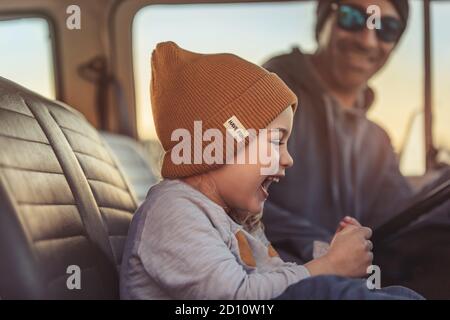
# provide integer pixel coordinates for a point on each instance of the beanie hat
(324, 9)
(188, 86)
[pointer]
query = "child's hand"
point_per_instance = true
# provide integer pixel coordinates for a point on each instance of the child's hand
(350, 251)
(349, 255)
(347, 221)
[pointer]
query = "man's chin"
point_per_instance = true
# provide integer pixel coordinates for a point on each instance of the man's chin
(351, 82)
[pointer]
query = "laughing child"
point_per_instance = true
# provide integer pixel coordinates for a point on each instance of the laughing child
(197, 235)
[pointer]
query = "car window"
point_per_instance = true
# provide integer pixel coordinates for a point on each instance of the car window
(440, 11)
(27, 54)
(257, 31)
(253, 31)
(398, 87)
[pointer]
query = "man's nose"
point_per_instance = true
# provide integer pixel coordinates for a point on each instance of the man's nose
(368, 38)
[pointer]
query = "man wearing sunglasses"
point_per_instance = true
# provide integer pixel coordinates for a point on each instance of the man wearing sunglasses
(344, 164)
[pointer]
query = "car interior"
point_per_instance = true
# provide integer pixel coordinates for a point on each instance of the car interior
(76, 160)
(64, 200)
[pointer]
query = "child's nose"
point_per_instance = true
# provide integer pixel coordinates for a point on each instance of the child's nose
(286, 160)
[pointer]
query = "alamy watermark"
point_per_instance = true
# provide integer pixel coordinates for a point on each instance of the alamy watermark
(73, 281)
(374, 18)
(73, 21)
(214, 147)
(374, 280)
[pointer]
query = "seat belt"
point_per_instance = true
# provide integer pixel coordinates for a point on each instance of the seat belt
(85, 201)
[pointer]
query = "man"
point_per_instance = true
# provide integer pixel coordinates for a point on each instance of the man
(344, 164)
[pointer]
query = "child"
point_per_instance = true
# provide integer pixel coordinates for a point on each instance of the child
(197, 235)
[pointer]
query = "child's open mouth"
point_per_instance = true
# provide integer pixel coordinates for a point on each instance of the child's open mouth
(266, 183)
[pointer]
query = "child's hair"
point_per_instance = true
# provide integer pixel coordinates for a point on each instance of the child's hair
(253, 222)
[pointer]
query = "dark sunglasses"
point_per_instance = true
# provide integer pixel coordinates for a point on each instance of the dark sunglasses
(353, 18)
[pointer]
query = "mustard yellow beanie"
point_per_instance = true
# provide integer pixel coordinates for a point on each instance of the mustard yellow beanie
(211, 88)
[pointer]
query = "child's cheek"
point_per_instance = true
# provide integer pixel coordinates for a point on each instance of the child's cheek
(270, 161)
(247, 194)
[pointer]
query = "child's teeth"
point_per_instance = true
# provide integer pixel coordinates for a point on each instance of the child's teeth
(266, 183)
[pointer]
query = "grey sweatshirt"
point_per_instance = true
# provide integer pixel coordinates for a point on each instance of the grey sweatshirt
(181, 245)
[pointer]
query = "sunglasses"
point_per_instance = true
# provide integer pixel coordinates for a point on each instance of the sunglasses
(353, 18)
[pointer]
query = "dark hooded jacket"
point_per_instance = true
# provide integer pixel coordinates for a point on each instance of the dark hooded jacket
(344, 164)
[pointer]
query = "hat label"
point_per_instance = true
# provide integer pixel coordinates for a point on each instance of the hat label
(236, 129)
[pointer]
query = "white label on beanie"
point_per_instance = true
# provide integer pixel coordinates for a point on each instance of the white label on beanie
(236, 129)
